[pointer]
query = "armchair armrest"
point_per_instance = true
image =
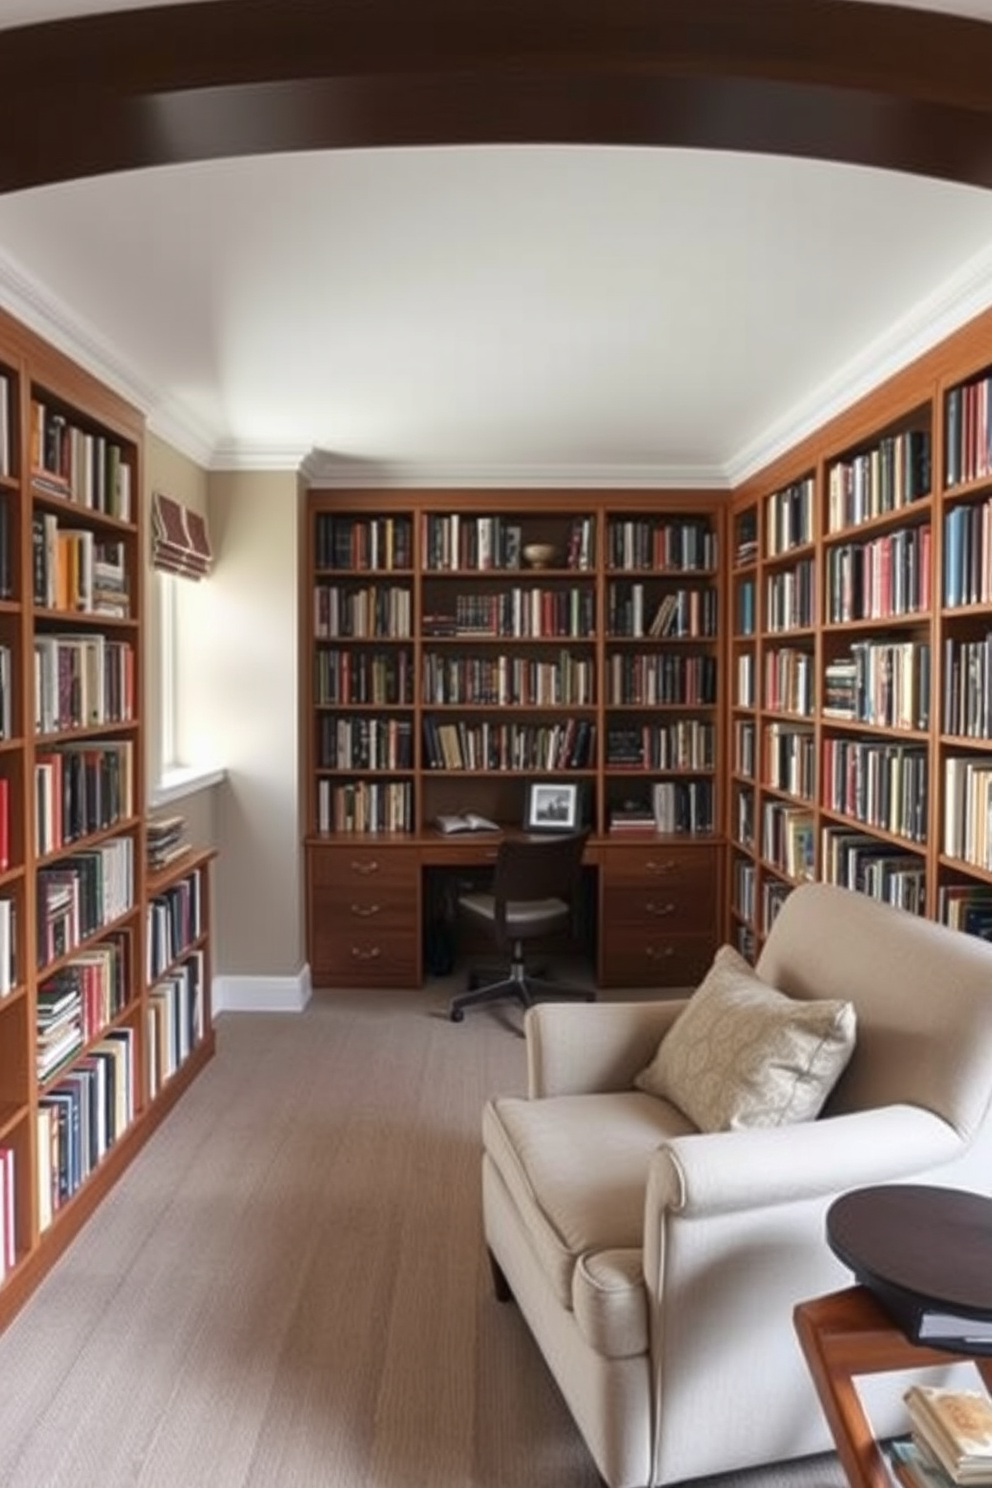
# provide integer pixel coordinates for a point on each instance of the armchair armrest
(579, 1048)
(720, 1172)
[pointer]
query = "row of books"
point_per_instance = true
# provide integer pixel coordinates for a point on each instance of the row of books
(968, 809)
(673, 544)
(370, 612)
(165, 840)
(674, 806)
(894, 473)
(789, 680)
(855, 860)
(519, 612)
(885, 683)
(365, 806)
(8, 1213)
(660, 678)
(81, 1117)
(882, 785)
(789, 518)
(504, 681)
(790, 760)
(174, 1020)
(6, 692)
(75, 465)
(968, 431)
(461, 745)
(363, 543)
(745, 747)
(888, 576)
(968, 687)
(968, 554)
(5, 417)
(680, 612)
(363, 743)
(81, 681)
(384, 678)
(966, 907)
(73, 569)
(787, 840)
(174, 922)
(683, 744)
(790, 598)
(83, 892)
(453, 541)
(81, 789)
(8, 946)
(950, 1438)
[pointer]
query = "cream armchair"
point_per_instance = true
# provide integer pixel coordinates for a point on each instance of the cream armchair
(657, 1266)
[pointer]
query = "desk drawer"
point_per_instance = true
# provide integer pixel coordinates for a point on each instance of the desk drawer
(348, 955)
(648, 959)
(366, 865)
(639, 864)
(660, 908)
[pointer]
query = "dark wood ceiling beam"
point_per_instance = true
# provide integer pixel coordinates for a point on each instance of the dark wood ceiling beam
(866, 84)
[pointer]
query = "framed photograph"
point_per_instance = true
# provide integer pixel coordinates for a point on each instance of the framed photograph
(552, 806)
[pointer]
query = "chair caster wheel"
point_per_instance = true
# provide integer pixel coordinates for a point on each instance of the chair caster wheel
(457, 1015)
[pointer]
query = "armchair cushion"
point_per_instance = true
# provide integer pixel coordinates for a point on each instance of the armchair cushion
(742, 1054)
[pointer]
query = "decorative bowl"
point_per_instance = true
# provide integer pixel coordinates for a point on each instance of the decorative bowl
(540, 555)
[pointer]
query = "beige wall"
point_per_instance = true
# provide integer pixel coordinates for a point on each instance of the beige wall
(242, 712)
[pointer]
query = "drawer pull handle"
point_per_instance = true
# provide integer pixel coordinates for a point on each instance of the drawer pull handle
(370, 867)
(654, 867)
(659, 910)
(654, 954)
(365, 910)
(373, 954)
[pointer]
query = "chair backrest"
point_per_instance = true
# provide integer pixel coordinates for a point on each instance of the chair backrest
(538, 867)
(922, 993)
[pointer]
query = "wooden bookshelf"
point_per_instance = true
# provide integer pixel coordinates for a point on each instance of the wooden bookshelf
(76, 1095)
(458, 646)
(862, 753)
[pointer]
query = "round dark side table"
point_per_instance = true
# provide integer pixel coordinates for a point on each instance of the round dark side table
(921, 1254)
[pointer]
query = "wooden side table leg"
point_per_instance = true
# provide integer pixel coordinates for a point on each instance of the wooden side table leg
(856, 1446)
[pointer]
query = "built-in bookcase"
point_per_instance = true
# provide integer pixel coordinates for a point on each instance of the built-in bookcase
(868, 613)
(78, 1091)
(460, 647)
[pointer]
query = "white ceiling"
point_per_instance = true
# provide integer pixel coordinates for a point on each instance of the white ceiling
(521, 314)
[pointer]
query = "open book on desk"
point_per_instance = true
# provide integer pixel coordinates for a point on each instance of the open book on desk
(466, 821)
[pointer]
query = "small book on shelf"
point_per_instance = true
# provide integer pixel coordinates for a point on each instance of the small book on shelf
(465, 821)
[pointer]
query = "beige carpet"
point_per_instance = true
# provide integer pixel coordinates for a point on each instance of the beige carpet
(288, 1288)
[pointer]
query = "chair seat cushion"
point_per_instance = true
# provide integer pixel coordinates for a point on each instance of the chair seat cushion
(528, 914)
(576, 1167)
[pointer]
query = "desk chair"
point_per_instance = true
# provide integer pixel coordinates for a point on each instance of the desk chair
(535, 883)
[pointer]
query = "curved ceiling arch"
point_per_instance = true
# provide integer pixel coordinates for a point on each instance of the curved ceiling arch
(868, 84)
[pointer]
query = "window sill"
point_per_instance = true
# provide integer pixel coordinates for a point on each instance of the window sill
(187, 781)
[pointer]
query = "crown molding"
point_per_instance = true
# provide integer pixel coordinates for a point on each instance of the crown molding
(327, 470)
(931, 320)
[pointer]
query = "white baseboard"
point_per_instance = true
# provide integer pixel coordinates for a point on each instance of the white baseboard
(262, 994)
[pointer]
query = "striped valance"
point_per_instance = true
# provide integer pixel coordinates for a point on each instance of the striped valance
(180, 540)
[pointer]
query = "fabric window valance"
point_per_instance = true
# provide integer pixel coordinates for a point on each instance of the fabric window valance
(180, 539)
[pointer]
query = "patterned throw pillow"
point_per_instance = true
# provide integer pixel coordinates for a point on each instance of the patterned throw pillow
(743, 1054)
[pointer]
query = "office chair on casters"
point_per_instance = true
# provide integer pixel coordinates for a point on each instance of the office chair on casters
(535, 883)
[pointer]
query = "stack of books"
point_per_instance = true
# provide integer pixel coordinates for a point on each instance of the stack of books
(950, 1443)
(164, 838)
(632, 818)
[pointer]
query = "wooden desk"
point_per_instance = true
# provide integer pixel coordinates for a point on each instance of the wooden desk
(657, 906)
(846, 1334)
